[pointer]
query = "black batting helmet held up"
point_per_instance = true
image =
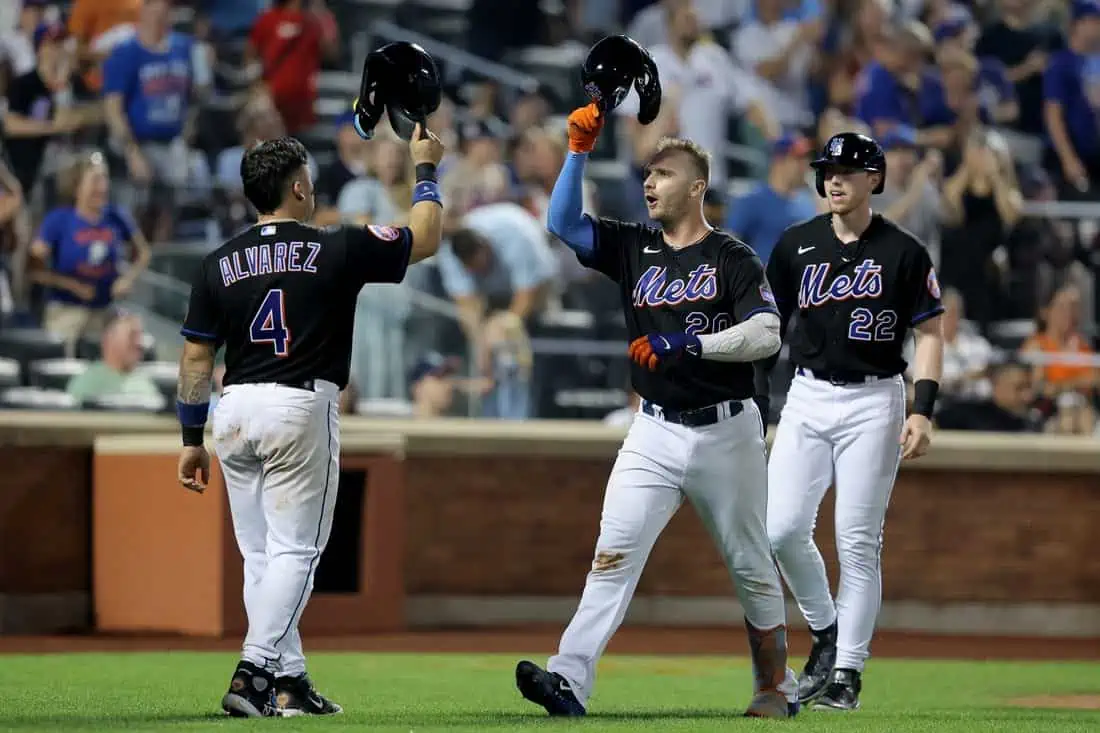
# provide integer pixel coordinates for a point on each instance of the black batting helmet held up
(613, 65)
(850, 150)
(402, 79)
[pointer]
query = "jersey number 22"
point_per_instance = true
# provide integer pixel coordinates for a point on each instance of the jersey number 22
(269, 324)
(868, 326)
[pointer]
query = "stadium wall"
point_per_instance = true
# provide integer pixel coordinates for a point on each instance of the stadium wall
(471, 523)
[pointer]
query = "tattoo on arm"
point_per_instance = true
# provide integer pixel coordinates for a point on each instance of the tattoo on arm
(196, 374)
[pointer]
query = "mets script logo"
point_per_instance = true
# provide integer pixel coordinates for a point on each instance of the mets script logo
(864, 282)
(655, 288)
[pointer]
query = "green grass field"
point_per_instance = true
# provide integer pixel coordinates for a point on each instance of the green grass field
(403, 693)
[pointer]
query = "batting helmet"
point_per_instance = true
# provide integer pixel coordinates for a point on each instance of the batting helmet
(851, 150)
(613, 65)
(402, 79)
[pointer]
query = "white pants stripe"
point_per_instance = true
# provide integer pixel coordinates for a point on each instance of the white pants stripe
(847, 436)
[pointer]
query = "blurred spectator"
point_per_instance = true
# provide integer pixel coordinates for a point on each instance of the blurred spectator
(510, 363)
(959, 32)
(955, 107)
(650, 25)
(501, 260)
(1023, 46)
(349, 399)
(966, 353)
(11, 248)
(114, 373)
(98, 26)
(781, 53)
(624, 416)
(899, 88)
(1007, 411)
(434, 383)
(1063, 378)
(530, 110)
(147, 81)
(79, 253)
(32, 118)
(982, 206)
(760, 216)
(17, 46)
(232, 19)
(911, 197)
(703, 88)
(352, 161)
(714, 207)
(258, 121)
(395, 171)
(1071, 90)
(289, 40)
(479, 176)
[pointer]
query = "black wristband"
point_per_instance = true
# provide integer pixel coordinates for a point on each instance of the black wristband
(425, 172)
(924, 397)
(192, 435)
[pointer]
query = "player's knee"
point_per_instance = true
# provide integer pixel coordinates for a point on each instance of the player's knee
(857, 548)
(786, 533)
(611, 561)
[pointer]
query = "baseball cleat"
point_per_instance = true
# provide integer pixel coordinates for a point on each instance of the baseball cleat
(548, 689)
(771, 704)
(815, 675)
(251, 693)
(842, 692)
(296, 696)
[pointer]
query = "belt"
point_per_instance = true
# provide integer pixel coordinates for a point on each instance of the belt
(697, 418)
(841, 377)
(306, 384)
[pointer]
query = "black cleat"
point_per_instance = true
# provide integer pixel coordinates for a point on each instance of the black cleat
(251, 693)
(296, 696)
(842, 692)
(815, 675)
(548, 689)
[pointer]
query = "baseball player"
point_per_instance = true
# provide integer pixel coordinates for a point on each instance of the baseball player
(855, 284)
(699, 311)
(281, 297)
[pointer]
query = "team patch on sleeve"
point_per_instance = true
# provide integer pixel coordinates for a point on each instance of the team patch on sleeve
(766, 294)
(933, 284)
(385, 233)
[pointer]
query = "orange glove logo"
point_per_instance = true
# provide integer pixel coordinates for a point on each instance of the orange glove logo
(585, 124)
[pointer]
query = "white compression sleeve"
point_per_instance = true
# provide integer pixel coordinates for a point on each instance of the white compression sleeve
(754, 339)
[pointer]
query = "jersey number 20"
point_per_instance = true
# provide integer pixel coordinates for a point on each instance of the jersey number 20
(269, 324)
(868, 326)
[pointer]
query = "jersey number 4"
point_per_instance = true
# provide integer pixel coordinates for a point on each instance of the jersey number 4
(269, 324)
(868, 326)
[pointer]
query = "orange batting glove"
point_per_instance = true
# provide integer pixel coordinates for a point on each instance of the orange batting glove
(585, 124)
(641, 352)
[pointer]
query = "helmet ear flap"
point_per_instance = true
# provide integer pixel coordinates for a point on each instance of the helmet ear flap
(881, 185)
(368, 106)
(648, 86)
(402, 123)
(819, 181)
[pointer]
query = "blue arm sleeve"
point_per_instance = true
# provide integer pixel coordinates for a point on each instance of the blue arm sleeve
(565, 218)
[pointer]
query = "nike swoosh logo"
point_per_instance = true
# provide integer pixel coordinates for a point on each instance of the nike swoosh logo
(650, 251)
(804, 250)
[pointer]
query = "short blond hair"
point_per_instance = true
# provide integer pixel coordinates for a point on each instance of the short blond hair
(700, 158)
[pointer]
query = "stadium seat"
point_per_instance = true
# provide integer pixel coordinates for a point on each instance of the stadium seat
(54, 373)
(128, 403)
(30, 344)
(587, 404)
(10, 373)
(384, 408)
(33, 398)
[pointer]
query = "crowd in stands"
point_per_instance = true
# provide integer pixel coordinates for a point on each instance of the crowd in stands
(125, 122)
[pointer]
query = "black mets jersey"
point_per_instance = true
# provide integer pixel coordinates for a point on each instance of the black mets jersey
(853, 304)
(281, 297)
(704, 288)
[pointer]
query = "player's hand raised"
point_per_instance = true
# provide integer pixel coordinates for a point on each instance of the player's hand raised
(194, 468)
(915, 437)
(425, 147)
(585, 124)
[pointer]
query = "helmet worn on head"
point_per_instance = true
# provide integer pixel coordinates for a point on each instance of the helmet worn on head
(402, 79)
(851, 150)
(613, 65)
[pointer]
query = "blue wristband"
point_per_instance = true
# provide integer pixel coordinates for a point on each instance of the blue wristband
(192, 416)
(427, 191)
